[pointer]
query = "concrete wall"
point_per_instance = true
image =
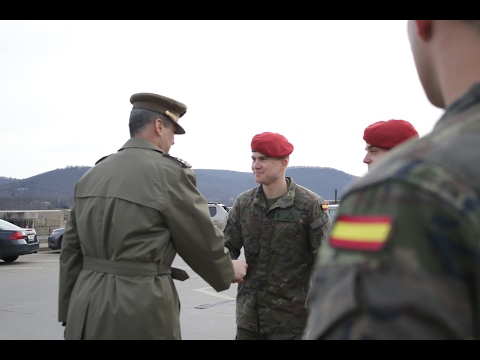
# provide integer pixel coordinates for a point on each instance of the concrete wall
(43, 221)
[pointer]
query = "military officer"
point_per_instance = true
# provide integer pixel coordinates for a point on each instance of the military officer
(133, 212)
(280, 226)
(406, 262)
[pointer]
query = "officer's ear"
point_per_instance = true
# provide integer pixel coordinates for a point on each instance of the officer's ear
(158, 126)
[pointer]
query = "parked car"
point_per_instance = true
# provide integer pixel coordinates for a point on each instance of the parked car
(16, 241)
(218, 214)
(332, 211)
(55, 239)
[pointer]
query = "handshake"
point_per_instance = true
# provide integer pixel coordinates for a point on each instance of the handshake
(239, 270)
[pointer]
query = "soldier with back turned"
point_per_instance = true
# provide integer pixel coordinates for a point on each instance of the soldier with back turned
(406, 255)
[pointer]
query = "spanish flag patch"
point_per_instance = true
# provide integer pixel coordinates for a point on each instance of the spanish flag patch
(361, 232)
(325, 207)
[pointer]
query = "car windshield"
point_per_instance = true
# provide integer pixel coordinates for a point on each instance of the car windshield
(5, 225)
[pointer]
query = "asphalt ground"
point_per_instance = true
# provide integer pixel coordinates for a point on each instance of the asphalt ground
(205, 314)
(43, 243)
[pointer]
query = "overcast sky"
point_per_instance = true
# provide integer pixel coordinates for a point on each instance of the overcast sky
(65, 88)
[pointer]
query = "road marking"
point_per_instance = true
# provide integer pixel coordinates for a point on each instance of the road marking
(205, 291)
(206, 306)
(22, 268)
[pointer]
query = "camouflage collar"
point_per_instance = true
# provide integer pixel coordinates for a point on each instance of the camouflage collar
(285, 201)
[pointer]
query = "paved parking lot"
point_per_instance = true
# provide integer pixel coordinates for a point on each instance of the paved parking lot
(28, 302)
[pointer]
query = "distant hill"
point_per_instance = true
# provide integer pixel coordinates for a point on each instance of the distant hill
(4, 180)
(54, 189)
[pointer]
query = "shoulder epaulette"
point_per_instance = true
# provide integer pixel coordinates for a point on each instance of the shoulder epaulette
(101, 159)
(180, 161)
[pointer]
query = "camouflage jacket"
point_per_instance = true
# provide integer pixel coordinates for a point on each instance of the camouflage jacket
(405, 260)
(280, 245)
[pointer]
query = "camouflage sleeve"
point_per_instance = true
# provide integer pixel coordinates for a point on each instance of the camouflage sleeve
(404, 264)
(233, 231)
(319, 227)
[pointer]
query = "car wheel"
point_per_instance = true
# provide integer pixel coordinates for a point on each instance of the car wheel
(10, 259)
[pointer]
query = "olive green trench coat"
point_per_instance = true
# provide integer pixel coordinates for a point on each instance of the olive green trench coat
(133, 212)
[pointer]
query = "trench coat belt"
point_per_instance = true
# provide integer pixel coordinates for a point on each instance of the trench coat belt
(132, 268)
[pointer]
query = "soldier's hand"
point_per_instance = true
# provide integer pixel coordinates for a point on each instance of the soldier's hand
(239, 270)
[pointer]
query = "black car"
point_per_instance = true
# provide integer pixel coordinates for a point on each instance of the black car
(55, 239)
(16, 241)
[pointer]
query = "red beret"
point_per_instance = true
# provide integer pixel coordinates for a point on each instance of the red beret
(388, 134)
(271, 144)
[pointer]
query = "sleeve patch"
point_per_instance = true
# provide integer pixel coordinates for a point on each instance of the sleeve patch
(364, 233)
(322, 220)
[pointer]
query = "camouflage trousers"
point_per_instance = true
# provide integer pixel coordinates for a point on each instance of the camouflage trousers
(243, 334)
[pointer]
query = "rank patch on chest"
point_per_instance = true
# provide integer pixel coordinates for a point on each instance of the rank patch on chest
(287, 215)
(364, 233)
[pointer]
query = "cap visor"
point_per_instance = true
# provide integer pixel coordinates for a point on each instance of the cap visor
(179, 130)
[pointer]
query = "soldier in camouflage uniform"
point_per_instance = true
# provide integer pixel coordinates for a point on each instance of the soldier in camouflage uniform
(406, 256)
(280, 226)
(382, 136)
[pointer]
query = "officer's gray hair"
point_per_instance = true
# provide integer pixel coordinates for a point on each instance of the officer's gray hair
(140, 118)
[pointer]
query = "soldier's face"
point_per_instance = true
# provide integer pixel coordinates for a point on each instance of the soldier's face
(267, 169)
(373, 155)
(424, 41)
